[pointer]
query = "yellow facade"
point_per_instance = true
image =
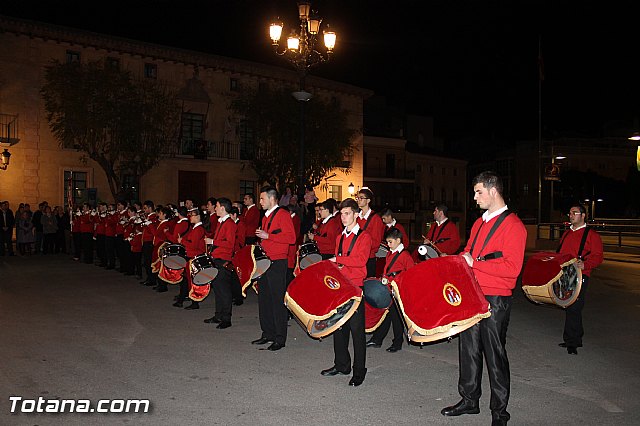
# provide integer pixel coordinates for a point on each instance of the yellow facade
(38, 163)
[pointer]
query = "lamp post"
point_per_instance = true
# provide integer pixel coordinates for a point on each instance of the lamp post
(303, 54)
(6, 156)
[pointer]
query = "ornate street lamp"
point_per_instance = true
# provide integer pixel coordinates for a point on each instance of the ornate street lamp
(302, 52)
(6, 156)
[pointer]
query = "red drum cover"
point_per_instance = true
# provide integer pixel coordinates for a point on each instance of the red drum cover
(197, 293)
(544, 268)
(319, 293)
(245, 266)
(550, 277)
(439, 298)
(373, 317)
(172, 276)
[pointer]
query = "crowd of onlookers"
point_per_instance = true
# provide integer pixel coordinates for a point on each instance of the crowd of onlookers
(46, 230)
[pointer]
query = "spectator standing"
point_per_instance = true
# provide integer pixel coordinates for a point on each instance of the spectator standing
(25, 236)
(49, 229)
(36, 219)
(7, 223)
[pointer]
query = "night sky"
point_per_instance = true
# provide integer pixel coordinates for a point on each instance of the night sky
(472, 64)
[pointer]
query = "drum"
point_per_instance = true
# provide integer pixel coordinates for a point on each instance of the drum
(203, 269)
(427, 252)
(250, 263)
(174, 256)
(373, 317)
(439, 298)
(377, 294)
(552, 278)
(383, 249)
(322, 299)
(308, 254)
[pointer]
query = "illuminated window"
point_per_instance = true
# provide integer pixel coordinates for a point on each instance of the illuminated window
(151, 71)
(73, 56)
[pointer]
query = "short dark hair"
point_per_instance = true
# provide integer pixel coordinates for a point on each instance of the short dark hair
(351, 204)
(168, 213)
(490, 180)
(271, 191)
(394, 233)
(387, 212)
(366, 192)
(234, 210)
(443, 208)
(250, 194)
(149, 203)
(330, 204)
(182, 211)
(224, 202)
(212, 200)
(580, 206)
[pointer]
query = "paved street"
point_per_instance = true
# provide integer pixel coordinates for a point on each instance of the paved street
(71, 330)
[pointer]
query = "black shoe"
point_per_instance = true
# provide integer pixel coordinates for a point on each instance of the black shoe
(144, 282)
(110, 267)
(564, 345)
(372, 344)
(261, 341)
(238, 302)
(275, 346)
(394, 348)
(572, 350)
(334, 371)
(356, 380)
(149, 284)
(192, 306)
(212, 320)
(162, 289)
(227, 324)
(178, 304)
(498, 422)
(462, 407)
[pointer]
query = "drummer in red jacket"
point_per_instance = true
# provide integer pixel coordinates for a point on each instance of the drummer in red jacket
(194, 244)
(397, 261)
(327, 232)
(251, 218)
(276, 235)
(371, 222)
(353, 247)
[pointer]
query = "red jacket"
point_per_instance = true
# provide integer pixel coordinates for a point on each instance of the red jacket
(251, 218)
(193, 241)
(281, 234)
(240, 236)
(136, 238)
(445, 236)
(100, 224)
(179, 228)
(592, 255)
(375, 227)
(293, 248)
(326, 235)
(110, 225)
(147, 230)
(75, 224)
(354, 264)
(497, 277)
(402, 263)
(161, 232)
(224, 239)
(399, 227)
(86, 223)
(122, 216)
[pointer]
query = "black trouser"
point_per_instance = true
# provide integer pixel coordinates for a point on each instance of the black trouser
(60, 243)
(101, 250)
(147, 253)
(236, 287)
(126, 263)
(273, 314)
(392, 318)
(6, 240)
(354, 327)
(487, 338)
(110, 251)
(136, 263)
(49, 243)
(222, 291)
(371, 266)
(119, 245)
(77, 244)
(250, 240)
(573, 330)
(87, 247)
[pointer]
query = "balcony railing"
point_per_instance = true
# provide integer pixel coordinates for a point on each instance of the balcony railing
(389, 174)
(211, 150)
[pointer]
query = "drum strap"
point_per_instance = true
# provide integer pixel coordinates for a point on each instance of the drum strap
(493, 229)
(582, 242)
(273, 215)
(353, 243)
(366, 223)
(392, 262)
(435, 238)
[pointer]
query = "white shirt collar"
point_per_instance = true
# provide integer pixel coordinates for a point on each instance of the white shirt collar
(248, 207)
(181, 220)
(366, 216)
(392, 224)
(268, 212)
(398, 249)
(197, 224)
(223, 218)
(584, 225)
(440, 223)
(335, 213)
(487, 217)
(354, 230)
(326, 219)
(293, 214)
(163, 221)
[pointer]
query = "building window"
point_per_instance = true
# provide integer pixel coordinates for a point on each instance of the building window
(192, 133)
(113, 63)
(335, 192)
(130, 188)
(455, 171)
(525, 189)
(247, 187)
(247, 141)
(418, 167)
(390, 165)
(73, 56)
(151, 71)
(431, 169)
(444, 171)
(443, 195)
(75, 188)
(233, 84)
